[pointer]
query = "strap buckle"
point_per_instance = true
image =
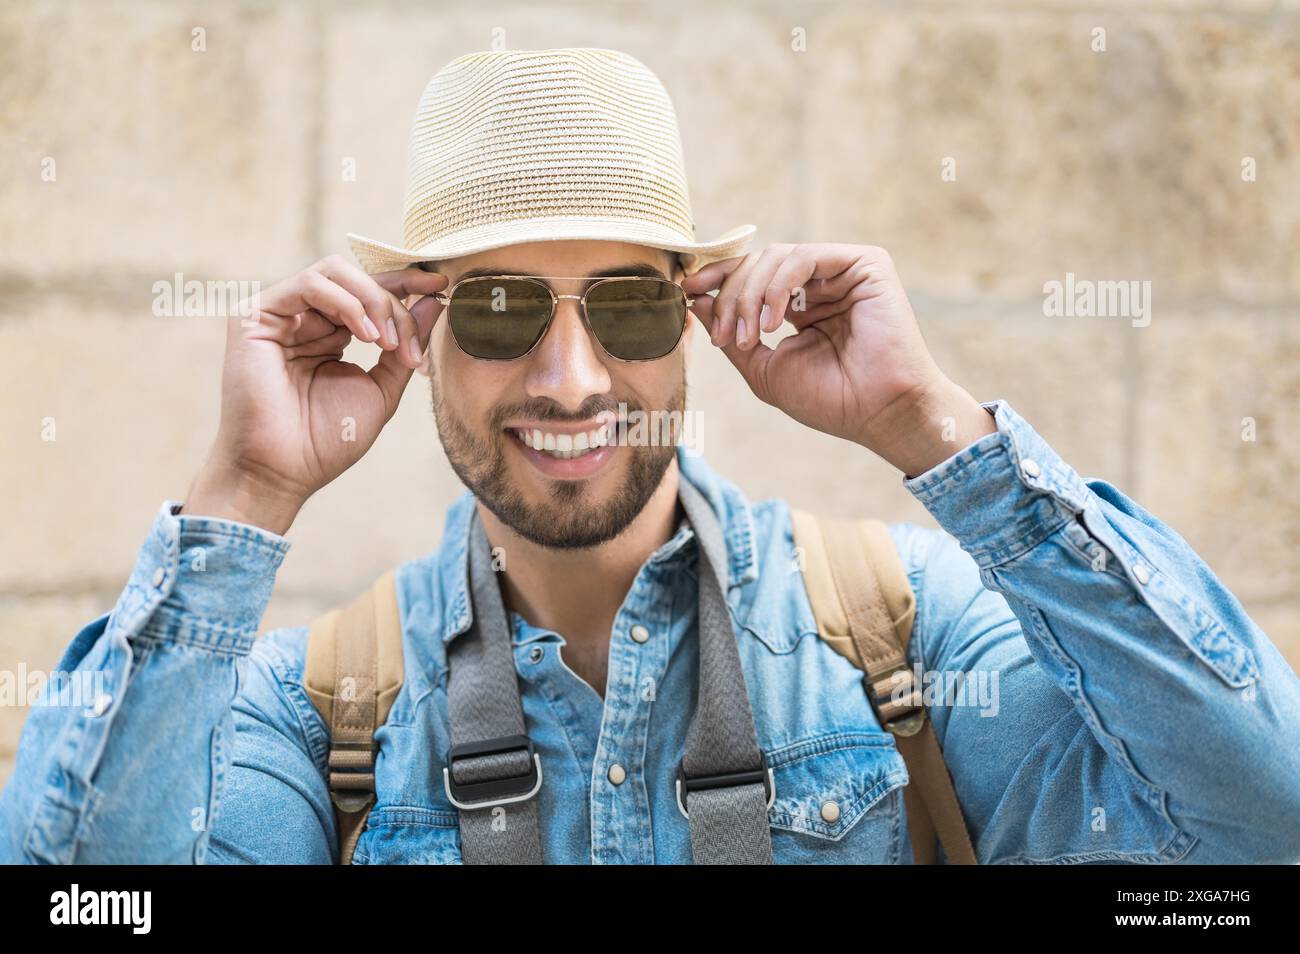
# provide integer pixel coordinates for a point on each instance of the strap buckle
(687, 784)
(491, 792)
(352, 773)
(904, 715)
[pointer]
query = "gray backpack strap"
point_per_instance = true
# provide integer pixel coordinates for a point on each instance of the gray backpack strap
(491, 773)
(724, 785)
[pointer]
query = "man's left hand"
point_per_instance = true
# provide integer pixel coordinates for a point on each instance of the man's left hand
(857, 366)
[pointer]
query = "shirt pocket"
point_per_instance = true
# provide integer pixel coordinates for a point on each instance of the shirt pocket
(409, 836)
(838, 800)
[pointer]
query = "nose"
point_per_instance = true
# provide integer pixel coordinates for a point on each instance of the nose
(567, 366)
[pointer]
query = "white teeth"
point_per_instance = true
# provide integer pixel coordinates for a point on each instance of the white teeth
(566, 446)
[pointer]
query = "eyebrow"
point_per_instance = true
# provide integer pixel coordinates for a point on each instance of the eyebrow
(639, 269)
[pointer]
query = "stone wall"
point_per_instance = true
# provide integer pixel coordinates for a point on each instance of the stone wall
(990, 148)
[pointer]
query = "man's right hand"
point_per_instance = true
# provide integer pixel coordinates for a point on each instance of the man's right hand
(294, 415)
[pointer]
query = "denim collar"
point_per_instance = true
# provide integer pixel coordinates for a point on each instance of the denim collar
(724, 497)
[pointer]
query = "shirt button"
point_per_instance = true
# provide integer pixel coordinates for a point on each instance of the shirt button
(1029, 467)
(830, 811)
(158, 576)
(1142, 573)
(640, 633)
(102, 702)
(616, 774)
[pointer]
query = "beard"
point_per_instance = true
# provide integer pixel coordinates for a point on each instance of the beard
(571, 518)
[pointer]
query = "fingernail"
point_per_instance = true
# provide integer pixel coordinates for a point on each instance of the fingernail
(371, 331)
(413, 346)
(762, 316)
(392, 332)
(742, 332)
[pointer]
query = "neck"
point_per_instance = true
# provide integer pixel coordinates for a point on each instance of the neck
(577, 593)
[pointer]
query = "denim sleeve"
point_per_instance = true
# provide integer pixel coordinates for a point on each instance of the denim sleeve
(276, 807)
(127, 756)
(1139, 713)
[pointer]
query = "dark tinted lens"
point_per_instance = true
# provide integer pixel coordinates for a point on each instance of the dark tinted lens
(498, 318)
(637, 319)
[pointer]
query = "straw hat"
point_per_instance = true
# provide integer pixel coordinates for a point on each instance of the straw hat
(532, 145)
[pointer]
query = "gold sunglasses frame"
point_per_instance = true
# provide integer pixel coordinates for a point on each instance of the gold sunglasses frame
(445, 298)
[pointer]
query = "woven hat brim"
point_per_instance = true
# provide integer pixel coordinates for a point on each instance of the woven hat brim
(375, 256)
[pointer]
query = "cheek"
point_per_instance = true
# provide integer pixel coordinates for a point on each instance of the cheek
(440, 339)
(456, 370)
(472, 389)
(654, 383)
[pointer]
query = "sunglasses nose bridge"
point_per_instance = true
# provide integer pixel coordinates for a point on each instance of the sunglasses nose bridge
(580, 313)
(578, 304)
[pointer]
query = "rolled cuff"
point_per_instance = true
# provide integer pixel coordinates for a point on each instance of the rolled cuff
(1005, 493)
(202, 580)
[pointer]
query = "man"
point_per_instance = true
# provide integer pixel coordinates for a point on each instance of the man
(1136, 714)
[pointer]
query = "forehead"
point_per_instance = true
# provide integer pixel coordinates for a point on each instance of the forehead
(577, 259)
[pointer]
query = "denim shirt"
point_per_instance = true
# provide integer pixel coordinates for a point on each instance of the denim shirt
(1117, 705)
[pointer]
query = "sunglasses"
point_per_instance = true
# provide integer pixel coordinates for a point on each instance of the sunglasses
(503, 317)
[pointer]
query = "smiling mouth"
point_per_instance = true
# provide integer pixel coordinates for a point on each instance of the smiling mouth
(566, 446)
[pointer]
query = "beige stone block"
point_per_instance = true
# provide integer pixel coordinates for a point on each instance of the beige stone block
(131, 402)
(1244, 8)
(743, 161)
(165, 158)
(1208, 378)
(1067, 377)
(1125, 164)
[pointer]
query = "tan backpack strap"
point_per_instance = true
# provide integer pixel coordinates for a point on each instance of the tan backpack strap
(353, 673)
(865, 608)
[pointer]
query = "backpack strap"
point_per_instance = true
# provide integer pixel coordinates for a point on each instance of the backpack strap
(864, 606)
(353, 673)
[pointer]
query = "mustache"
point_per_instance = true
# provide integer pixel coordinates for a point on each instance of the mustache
(544, 409)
